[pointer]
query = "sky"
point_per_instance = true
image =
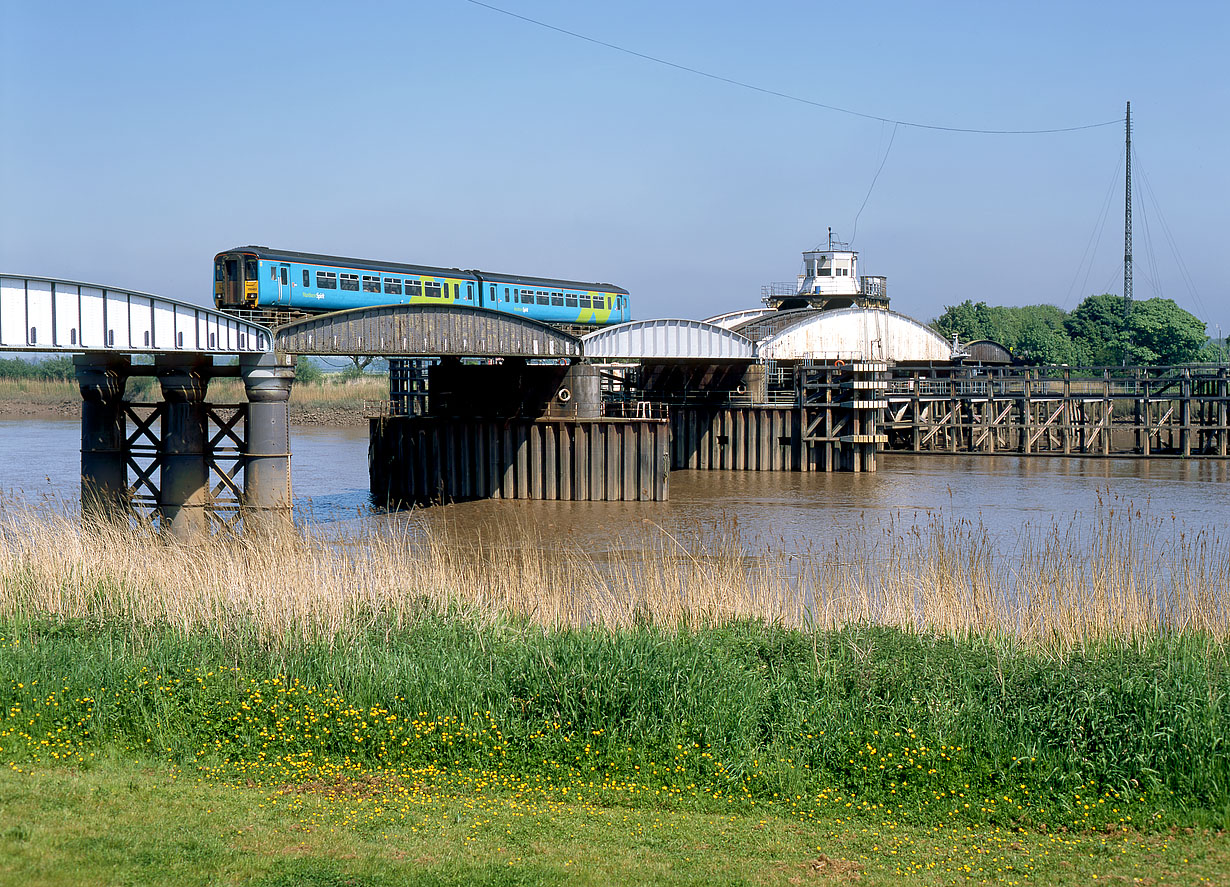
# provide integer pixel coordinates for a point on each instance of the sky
(139, 139)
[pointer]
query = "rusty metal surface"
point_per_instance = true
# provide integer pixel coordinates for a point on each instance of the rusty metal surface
(425, 331)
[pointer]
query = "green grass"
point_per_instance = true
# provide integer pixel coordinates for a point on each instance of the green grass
(984, 731)
(128, 820)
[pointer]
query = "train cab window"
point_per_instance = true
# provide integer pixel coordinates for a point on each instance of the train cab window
(273, 273)
(371, 283)
(326, 280)
(350, 282)
(570, 299)
(218, 272)
(414, 287)
(285, 275)
(431, 289)
(249, 269)
(392, 286)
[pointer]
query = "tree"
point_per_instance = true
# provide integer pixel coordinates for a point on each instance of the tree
(1163, 333)
(1157, 332)
(1098, 329)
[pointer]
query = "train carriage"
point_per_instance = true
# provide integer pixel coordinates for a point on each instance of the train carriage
(257, 279)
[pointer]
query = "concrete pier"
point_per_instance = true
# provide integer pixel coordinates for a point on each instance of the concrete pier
(266, 502)
(104, 435)
(184, 452)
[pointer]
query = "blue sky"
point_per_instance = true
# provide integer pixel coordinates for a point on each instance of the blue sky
(140, 139)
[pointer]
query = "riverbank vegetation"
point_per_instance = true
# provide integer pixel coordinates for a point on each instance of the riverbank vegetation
(53, 382)
(908, 682)
(1101, 331)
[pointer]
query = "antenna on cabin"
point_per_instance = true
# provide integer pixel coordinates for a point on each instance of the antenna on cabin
(1127, 236)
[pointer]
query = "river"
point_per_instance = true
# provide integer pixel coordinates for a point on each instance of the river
(40, 462)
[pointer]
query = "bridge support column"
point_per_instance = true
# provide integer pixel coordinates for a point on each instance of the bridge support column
(104, 435)
(184, 451)
(267, 378)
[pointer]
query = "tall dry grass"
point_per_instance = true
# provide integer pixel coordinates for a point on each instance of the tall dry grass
(1119, 575)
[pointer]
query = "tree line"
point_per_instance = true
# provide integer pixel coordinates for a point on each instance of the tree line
(1098, 332)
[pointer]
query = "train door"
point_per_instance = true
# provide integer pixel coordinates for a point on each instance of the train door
(284, 286)
(233, 284)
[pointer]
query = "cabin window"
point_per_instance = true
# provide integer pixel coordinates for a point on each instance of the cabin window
(350, 282)
(570, 299)
(218, 272)
(326, 280)
(431, 289)
(557, 299)
(273, 273)
(824, 272)
(585, 302)
(249, 269)
(414, 287)
(371, 283)
(392, 286)
(543, 297)
(307, 278)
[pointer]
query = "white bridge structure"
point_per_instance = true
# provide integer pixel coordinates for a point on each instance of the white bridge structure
(182, 461)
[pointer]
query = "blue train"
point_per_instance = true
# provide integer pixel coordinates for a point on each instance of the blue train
(259, 279)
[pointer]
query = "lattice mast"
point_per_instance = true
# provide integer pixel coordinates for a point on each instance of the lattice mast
(1127, 233)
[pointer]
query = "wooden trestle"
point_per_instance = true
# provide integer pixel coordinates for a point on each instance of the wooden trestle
(1134, 411)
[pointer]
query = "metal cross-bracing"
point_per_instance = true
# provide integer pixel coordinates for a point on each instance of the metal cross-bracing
(425, 331)
(668, 339)
(53, 315)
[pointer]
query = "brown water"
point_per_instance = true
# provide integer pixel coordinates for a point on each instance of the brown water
(40, 461)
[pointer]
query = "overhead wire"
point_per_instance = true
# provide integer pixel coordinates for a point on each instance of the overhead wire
(875, 178)
(1095, 237)
(777, 93)
(1184, 273)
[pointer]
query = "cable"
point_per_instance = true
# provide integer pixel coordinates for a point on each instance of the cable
(1095, 237)
(784, 95)
(874, 179)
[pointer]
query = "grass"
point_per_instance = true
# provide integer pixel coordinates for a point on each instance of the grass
(139, 821)
(906, 703)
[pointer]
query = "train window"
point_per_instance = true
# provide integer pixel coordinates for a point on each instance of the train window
(371, 283)
(392, 285)
(413, 287)
(285, 275)
(326, 280)
(249, 269)
(570, 299)
(506, 298)
(273, 273)
(543, 298)
(431, 289)
(456, 290)
(470, 291)
(350, 282)
(218, 271)
(585, 303)
(307, 280)
(557, 298)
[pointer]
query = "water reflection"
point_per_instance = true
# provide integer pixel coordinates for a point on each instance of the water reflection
(772, 511)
